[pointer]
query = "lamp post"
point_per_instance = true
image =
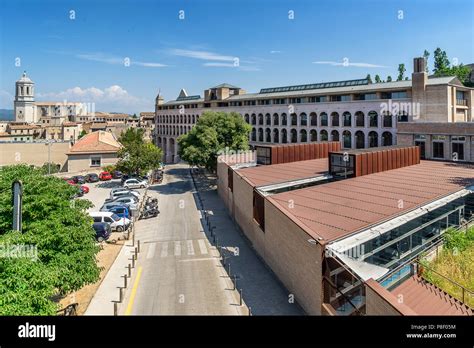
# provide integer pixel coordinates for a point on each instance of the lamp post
(17, 193)
(48, 143)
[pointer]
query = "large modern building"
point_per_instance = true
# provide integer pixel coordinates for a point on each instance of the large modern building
(357, 113)
(343, 230)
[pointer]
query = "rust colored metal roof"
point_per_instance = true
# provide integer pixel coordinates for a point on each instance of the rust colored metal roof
(338, 209)
(278, 173)
(425, 298)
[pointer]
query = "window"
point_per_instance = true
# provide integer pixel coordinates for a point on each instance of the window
(303, 119)
(95, 161)
(97, 219)
(347, 119)
(458, 151)
(324, 119)
(399, 95)
(438, 149)
(420, 137)
(345, 98)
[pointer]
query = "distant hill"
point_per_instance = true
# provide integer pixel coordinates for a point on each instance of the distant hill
(7, 115)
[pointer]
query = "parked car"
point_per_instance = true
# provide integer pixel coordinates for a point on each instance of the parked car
(124, 192)
(116, 174)
(79, 179)
(84, 189)
(135, 183)
(105, 176)
(120, 210)
(109, 205)
(102, 231)
(116, 223)
(92, 177)
(131, 201)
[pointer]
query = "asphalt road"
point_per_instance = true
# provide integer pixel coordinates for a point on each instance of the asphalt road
(178, 272)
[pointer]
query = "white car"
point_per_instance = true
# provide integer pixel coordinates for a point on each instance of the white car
(135, 183)
(132, 202)
(124, 192)
(116, 222)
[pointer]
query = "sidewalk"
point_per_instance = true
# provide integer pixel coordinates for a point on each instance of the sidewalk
(262, 291)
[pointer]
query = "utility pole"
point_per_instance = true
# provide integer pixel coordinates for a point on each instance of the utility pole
(48, 143)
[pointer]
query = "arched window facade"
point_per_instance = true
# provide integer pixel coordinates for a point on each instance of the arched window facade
(276, 136)
(335, 119)
(268, 135)
(303, 119)
(346, 139)
(268, 120)
(260, 119)
(284, 119)
(323, 117)
(254, 119)
(313, 134)
(387, 139)
(387, 120)
(254, 134)
(246, 117)
(294, 119)
(313, 119)
(284, 136)
(360, 119)
(260, 134)
(294, 135)
(373, 139)
(334, 135)
(360, 140)
(347, 119)
(276, 120)
(323, 135)
(303, 136)
(373, 119)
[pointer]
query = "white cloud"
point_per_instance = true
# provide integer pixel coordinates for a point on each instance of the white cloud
(203, 55)
(113, 98)
(348, 63)
(108, 59)
(275, 52)
(6, 100)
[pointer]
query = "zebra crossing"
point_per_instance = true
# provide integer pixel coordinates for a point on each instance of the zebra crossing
(183, 248)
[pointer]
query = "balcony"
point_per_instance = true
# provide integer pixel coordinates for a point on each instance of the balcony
(461, 102)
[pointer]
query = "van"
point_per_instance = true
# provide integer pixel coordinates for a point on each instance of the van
(116, 223)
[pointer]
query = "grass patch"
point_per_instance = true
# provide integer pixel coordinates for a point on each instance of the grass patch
(456, 262)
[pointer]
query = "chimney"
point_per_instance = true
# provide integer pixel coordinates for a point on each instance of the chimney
(419, 76)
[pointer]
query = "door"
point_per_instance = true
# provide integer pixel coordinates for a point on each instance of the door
(421, 144)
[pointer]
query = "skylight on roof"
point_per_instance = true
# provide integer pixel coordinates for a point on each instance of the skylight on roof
(347, 83)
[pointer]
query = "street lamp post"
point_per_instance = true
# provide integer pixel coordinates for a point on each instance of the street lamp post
(48, 143)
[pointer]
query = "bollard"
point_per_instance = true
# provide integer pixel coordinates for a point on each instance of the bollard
(235, 282)
(228, 269)
(136, 252)
(120, 294)
(115, 308)
(240, 291)
(129, 270)
(133, 237)
(133, 262)
(138, 245)
(125, 281)
(250, 311)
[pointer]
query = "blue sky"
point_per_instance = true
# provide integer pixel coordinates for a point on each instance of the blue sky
(83, 59)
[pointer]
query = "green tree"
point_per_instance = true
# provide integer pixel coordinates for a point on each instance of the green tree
(137, 156)
(369, 78)
(389, 78)
(61, 231)
(83, 132)
(214, 132)
(426, 55)
(53, 168)
(401, 71)
(441, 62)
(377, 79)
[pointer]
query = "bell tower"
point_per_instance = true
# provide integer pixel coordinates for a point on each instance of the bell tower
(24, 103)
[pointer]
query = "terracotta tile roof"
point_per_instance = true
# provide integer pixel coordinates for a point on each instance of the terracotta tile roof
(425, 298)
(278, 173)
(96, 142)
(338, 209)
(69, 124)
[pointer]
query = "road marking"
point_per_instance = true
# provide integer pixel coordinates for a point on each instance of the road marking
(134, 292)
(202, 246)
(177, 248)
(151, 251)
(201, 259)
(190, 247)
(164, 249)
